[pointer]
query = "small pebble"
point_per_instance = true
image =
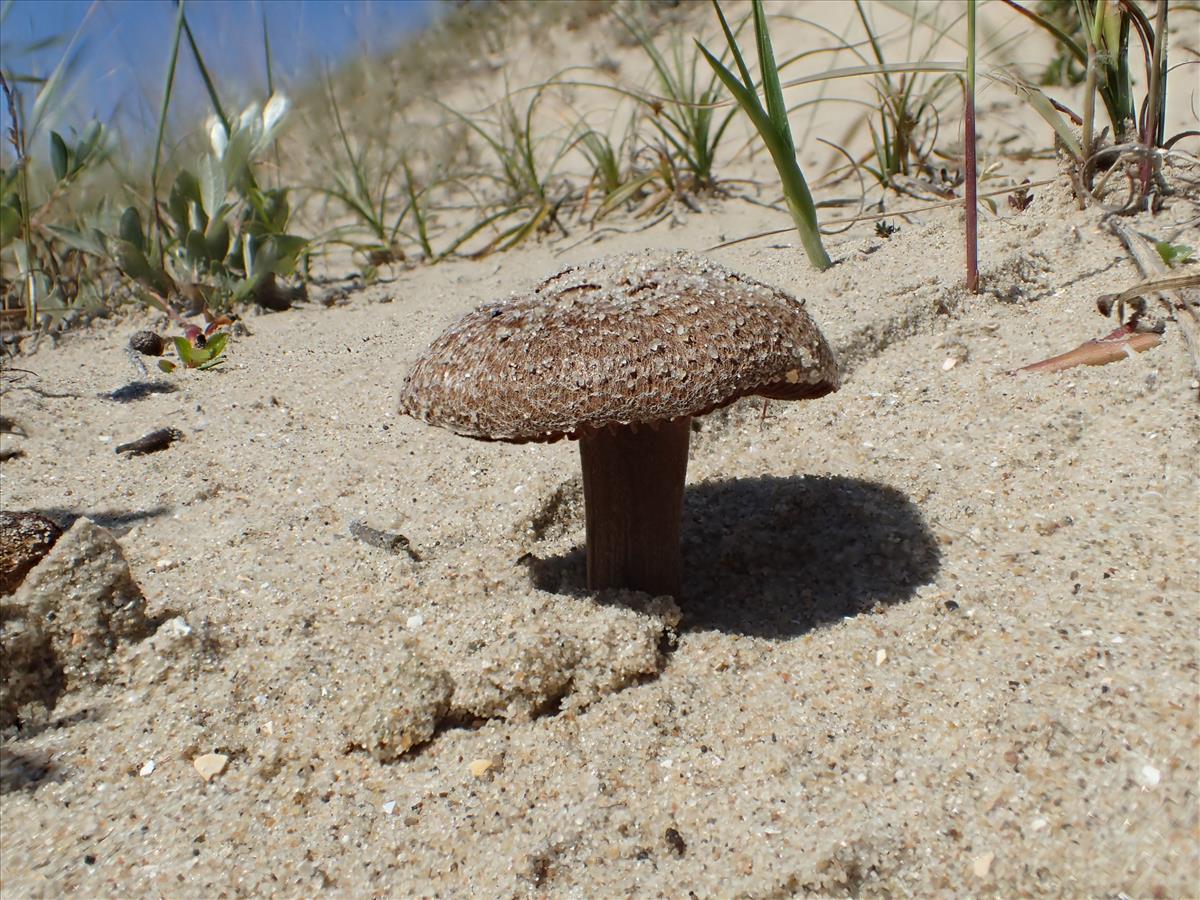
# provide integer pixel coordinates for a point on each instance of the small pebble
(1038, 824)
(147, 769)
(949, 363)
(479, 767)
(210, 765)
(1148, 776)
(392, 541)
(389, 807)
(880, 656)
(413, 622)
(981, 865)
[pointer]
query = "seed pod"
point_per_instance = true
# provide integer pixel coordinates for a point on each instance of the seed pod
(147, 343)
(25, 538)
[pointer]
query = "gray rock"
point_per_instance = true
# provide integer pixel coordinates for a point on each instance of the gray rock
(82, 596)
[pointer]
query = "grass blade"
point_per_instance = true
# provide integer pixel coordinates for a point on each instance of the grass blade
(772, 126)
(160, 134)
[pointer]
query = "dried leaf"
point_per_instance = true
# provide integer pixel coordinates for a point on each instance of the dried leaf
(1114, 346)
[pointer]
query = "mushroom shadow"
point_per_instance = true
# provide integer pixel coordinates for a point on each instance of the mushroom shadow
(775, 557)
(138, 390)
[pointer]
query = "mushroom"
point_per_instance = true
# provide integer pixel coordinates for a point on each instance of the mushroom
(620, 354)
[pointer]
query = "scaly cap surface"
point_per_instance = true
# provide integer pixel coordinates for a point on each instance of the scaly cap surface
(628, 339)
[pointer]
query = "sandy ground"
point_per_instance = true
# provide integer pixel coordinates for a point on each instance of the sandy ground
(937, 637)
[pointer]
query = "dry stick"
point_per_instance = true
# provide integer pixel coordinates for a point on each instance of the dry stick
(1153, 268)
(1170, 283)
(873, 217)
(611, 229)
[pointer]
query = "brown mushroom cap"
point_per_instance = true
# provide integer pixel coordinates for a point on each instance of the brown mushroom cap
(635, 339)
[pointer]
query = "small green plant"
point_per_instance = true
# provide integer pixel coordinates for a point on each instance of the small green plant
(903, 131)
(531, 193)
(1174, 254)
(197, 348)
(221, 233)
(688, 123)
(52, 278)
(772, 125)
(207, 355)
(1096, 35)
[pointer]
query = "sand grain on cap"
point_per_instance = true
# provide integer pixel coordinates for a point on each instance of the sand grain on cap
(626, 339)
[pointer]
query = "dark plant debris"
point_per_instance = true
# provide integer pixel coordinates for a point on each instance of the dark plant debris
(392, 541)
(160, 439)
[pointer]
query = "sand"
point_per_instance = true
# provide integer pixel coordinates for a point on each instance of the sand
(937, 634)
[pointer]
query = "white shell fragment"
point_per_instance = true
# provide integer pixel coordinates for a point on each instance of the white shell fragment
(1148, 776)
(982, 864)
(210, 765)
(621, 340)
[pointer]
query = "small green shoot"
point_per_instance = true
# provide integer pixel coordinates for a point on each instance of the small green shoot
(199, 349)
(1174, 254)
(772, 125)
(209, 356)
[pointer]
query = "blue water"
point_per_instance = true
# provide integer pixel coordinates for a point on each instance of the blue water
(122, 50)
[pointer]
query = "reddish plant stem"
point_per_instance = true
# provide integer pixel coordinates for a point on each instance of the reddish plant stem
(972, 186)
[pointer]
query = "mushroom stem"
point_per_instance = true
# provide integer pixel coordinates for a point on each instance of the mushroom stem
(633, 494)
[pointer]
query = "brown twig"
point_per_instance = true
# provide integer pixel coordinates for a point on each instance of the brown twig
(872, 217)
